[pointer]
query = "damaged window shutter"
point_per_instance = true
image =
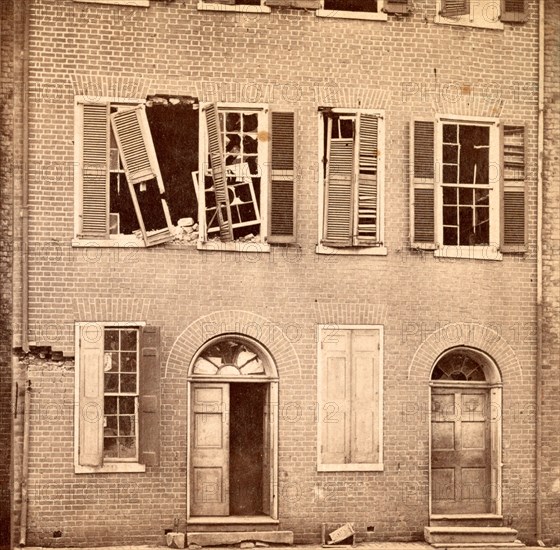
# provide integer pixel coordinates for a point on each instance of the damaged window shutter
(514, 11)
(215, 148)
(422, 207)
(149, 406)
(454, 8)
(282, 185)
(338, 190)
(335, 397)
(136, 148)
(91, 414)
(367, 222)
(397, 6)
(514, 192)
(95, 171)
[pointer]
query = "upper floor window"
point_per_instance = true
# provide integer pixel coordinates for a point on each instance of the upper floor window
(468, 187)
(351, 181)
(241, 6)
(353, 9)
(481, 13)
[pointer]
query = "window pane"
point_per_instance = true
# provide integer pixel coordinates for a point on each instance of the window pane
(111, 383)
(250, 123)
(449, 173)
(111, 339)
(450, 133)
(126, 405)
(450, 215)
(450, 154)
(128, 362)
(126, 425)
(127, 447)
(110, 448)
(110, 425)
(233, 143)
(352, 5)
(449, 195)
(465, 195)
(466, 232)
(110, 405)
(233, 122)
(450, 235)
(128, 339)
(250, 144)
(482, 196)
(128, 383)
(346, 128)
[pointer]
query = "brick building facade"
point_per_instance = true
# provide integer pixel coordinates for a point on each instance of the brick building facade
(317, 319)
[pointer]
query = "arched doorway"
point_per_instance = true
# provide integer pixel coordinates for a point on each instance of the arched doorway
(465, 434)
(232, 430)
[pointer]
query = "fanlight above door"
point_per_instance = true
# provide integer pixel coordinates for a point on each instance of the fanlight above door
(230, 357)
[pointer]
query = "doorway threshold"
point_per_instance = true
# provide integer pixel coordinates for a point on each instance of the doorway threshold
(240, 520)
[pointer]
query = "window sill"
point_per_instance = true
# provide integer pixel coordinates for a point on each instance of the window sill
(129, 3)
(469, 253)
(112, 468)
(463, 21)
(350, 467)
(240, 8)
(352, 251)
(127, 241)
(366, 16)
(244, 247)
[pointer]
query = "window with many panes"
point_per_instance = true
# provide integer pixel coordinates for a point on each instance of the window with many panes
(481, 13)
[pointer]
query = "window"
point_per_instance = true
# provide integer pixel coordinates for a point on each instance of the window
(351, 181)
(363, 9)
(481, 13)
(242, 6)
(350, 398)
(246, 174)
(117, 390)
(130, 3)
(468, 187)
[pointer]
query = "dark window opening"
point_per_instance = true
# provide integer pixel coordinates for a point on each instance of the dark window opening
(370, 6)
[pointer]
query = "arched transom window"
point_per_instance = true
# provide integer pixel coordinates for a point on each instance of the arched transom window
(459, 365)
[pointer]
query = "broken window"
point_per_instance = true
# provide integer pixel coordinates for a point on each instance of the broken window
(136, 163)
(230, 4)
(371, 6)
(245, 183)
(352, 178)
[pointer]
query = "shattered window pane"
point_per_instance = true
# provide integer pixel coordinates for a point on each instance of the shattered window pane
(352, 5)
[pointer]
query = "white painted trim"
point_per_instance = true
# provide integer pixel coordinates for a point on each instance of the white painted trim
(352, 251)
(354, 467)
(366, 16)
(107, 467)
(123, 241)
(231, 520)
(483, 252)
(240, 8)
(129, 3)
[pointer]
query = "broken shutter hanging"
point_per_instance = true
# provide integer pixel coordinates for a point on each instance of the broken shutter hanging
(338, 190)
(513, 11)
(281, 225)
(138, 155)
(335, 391)
(397, 6)
(149, 406)
(514, 193)
(422, 207)
(91, 395)
(454, 8)
(215, 147)
(95, 170)
(367, 215)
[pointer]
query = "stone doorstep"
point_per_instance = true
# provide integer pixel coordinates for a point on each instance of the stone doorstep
(469, 535)
(237, 537)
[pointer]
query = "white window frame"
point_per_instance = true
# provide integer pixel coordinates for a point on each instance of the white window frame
(473, 19)
(379, 15)
(350, 467)
(203, 243)
(355, 250)
(239, 8)
(129, 3)
(113, 465)
(479, 252)
(126, 241)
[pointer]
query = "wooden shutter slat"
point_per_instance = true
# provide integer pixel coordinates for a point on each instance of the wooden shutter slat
(215, 147)
(514, 194)
(454, 8)
(397, 6)
(422, 181)
(514, 11)
(282, 184)
(150, 398)
(91, 408)
(95, 171)
(368, 151)
(138, 155)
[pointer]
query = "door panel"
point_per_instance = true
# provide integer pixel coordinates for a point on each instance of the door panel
(210, 450)
(461, 453)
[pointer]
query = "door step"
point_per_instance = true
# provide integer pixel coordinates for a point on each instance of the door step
(469, 536)
(236, 537)
(472, 546)
(466, 520)
(214, 524)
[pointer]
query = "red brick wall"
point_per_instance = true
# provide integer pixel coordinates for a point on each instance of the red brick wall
(179, 50)
(551, 280)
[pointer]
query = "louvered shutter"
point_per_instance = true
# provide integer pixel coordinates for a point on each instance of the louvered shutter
(138, 155)
(335, 395)
(422, 206)
(149, 406)
(338, 216)
(91, 408)
(514, 11)
(397, 6)
(454, 8)
(366, 212)
(281, 225)
(514, 193)
(215, 147)
(364, 441)
(95, 170)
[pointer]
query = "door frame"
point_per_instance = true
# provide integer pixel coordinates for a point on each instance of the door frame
(271, 380)
(493, 385)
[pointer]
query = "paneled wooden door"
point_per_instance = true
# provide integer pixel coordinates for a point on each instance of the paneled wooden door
(461, 451)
